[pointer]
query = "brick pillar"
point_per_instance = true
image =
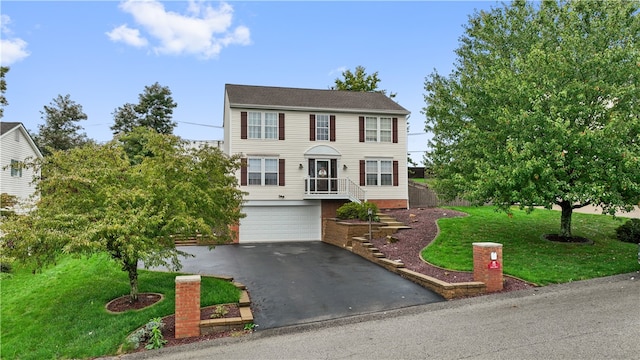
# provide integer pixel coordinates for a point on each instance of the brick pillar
(488, 268)
(235, 233)
(187, 306)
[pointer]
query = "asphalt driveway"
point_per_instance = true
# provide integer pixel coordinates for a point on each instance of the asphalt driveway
(300, 282)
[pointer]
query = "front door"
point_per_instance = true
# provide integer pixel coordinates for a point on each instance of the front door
(323, 174)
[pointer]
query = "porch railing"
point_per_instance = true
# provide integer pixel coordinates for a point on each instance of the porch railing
(333, 188)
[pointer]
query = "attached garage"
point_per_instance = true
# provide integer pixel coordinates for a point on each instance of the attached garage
(269, 221)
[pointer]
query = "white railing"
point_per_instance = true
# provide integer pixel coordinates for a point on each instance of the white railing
(333, 188)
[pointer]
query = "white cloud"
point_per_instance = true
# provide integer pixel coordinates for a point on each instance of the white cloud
(129, 36)
(339, 70)
(12, 50)
(203, 31)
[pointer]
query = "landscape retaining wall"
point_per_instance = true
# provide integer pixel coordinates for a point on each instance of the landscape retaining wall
(353, 237)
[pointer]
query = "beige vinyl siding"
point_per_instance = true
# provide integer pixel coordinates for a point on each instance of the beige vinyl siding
(297, 142)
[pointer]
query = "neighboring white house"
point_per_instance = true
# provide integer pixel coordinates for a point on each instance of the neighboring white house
(306, 152)
(16, 147)
(194, 144)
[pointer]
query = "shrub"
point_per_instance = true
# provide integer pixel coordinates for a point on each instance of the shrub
(355, 210)
(151, 332)
(629, 231)
(5, 267)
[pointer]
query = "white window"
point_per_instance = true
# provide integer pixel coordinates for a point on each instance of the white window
(262, 171)
(371, 128)
(379, 172)
(385, 129)
(16, 169)
(255, 125)
(270, 125)
(262, 125)
(378, 129)
(322, 127)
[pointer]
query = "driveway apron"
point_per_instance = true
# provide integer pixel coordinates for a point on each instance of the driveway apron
(293, 283)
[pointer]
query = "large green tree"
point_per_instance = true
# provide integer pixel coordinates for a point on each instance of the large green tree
(359, 80)
(61, 130)
(541, 108)
(153, 110)
(96, 199)
(3, 88)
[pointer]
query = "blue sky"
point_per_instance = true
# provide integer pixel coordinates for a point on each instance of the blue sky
(103, 53)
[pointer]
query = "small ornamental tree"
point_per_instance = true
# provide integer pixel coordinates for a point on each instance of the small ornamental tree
(542, 108)
(96, 199)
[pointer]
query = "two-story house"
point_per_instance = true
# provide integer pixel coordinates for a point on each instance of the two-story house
(305, 152)
(16, 147)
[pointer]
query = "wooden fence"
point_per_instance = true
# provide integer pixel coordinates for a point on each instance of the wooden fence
(422, 196)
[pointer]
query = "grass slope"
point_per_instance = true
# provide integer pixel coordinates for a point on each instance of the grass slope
(60, 312)
(528, 256)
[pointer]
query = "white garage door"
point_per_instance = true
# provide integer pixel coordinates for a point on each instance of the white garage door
(281, 223)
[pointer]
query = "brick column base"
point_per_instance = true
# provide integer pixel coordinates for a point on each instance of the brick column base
(488, 268)
(187, 306)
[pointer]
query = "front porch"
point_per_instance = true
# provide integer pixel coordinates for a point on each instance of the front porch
(333, 188)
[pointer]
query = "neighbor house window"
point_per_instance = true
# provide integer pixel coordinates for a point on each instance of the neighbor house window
(262, 171)
(379, 172)
(16, 169)
(262, 125)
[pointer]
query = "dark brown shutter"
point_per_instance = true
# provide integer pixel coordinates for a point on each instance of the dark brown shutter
(332, 128)
(362, 173)
(281, 172)
(281, 126)
(243, 172)
(361, 121)
(243, 125)
(395, 173)
(395, 130)
(312, 127)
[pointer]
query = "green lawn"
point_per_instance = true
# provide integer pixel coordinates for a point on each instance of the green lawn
(60, 313)
(528, 256)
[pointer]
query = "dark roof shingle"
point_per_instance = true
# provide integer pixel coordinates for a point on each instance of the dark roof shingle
(264, 96)
(6, 126)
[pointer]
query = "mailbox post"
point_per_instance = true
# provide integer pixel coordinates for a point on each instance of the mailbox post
(370, 213)
(487, 265)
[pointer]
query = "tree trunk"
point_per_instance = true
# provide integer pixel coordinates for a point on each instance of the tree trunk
(131, 267)
(565, 219)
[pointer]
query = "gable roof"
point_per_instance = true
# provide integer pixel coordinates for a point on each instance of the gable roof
(250, 96)
(9, 127)
(6, 126)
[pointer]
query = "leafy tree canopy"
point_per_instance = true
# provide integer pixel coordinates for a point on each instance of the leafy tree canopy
(61, 130)
(3, 88)
(95, 199)
(359, 81)
(542, 108)
(153, 110)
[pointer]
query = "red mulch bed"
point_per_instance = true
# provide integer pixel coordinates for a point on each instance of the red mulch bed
(168, 332)
(423, 230)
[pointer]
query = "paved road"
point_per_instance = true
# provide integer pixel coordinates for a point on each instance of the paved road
(594, 319)
(293, 283)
